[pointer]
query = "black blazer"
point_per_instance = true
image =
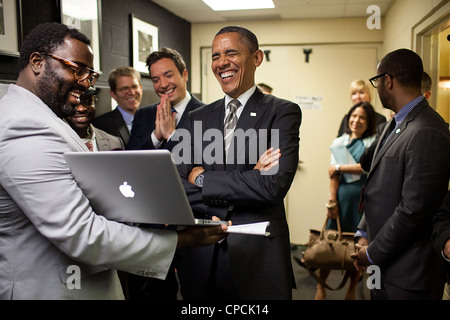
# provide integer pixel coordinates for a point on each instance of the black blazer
(441, 231)
(113, 123)
(406, 185)
(144, 125)
(261, 266)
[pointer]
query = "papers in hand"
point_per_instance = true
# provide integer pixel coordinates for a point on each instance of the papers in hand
(343, 156)
(258, 228)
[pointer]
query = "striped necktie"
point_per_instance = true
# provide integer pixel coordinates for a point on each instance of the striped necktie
(230, 124)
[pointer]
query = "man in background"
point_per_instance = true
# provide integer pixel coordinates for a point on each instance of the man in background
(154, 125)
(125, 87)
(94, 138)
(406, 185)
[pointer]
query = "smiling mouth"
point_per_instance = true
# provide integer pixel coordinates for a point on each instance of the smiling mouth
(227, 74)
(168, 91)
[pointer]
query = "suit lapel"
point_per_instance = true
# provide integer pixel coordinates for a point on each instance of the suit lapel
(380, 151)
(189, 107)
(250, 116)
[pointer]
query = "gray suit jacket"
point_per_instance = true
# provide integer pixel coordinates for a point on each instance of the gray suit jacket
(405, 187)
(50, 239)
(106, 141)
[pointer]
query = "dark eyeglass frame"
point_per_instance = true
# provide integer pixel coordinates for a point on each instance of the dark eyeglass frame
(81, 72)
(374, 80)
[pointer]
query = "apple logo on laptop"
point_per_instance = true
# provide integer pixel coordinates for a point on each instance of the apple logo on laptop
(126, 190)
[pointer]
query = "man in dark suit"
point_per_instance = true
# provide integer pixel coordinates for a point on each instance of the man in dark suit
(125, 87)
(406, 185)
(224, 182)
(151, 128)
(441, 239)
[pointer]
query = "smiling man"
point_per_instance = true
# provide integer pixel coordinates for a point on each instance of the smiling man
(154, 125)
(94, 138)
(53, 245)
(242, 266)
(125, 87)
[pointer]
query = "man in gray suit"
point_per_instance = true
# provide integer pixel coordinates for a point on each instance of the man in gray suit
(406, 185)
(53, 246)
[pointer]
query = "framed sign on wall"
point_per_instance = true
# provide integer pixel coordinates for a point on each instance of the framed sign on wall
(84, 15)
(10, 27)
(144, 42)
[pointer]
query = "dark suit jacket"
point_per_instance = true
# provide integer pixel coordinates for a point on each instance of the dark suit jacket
(261, 266)
(406, 185)
(113, 123)
(441, 230)
(144, 125)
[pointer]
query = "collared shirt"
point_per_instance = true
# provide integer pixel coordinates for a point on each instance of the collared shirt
(179, 108)
(91, 137)
(243, 98)
(128, 117)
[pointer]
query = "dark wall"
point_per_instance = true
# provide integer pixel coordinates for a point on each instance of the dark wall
(115, 43)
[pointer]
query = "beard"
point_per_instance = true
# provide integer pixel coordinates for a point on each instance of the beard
(53, 91)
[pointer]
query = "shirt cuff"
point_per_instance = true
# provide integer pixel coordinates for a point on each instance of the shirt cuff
(156, 143)
(360, 233)
(368, 257)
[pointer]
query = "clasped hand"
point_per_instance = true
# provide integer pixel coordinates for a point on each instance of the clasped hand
(165, 123)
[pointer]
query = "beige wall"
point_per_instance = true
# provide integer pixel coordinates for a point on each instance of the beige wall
(305, 201)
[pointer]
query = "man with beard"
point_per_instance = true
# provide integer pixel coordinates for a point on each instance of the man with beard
(53, 246)
(407, 183)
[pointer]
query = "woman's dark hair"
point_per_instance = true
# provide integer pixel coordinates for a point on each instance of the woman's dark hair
(370, 113)
(45, 38)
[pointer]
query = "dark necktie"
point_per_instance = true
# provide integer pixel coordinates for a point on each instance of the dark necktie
(389, 131)
(230, 124)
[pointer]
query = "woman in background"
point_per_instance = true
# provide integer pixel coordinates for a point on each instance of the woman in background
(347, 179)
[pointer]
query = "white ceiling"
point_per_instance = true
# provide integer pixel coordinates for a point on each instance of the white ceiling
(196, 11)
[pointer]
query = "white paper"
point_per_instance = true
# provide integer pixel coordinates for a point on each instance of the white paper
(258, 228)
(343, 156)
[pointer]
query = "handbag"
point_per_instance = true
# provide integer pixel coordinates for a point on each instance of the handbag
(329, 249)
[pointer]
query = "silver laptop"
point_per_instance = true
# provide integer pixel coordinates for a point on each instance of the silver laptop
(134, 186)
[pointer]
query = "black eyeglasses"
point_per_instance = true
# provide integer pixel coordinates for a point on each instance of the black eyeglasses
(374, 80)
(80, 71)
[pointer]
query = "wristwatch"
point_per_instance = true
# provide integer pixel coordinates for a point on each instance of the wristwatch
(199, 179)
(337, 167)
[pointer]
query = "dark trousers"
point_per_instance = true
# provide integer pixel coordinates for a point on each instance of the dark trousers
(389, 292)
(220, 283)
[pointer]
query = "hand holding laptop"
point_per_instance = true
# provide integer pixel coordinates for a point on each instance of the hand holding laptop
(199, 236)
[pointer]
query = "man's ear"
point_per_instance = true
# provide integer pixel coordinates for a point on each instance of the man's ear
(390, 82)
(37, 62)
(259, 57)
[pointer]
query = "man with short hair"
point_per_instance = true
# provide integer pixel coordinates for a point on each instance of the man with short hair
(53, 245)
(154, 125)
(231, 186)
(125, 87)
(407, 183)
(96, 139)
